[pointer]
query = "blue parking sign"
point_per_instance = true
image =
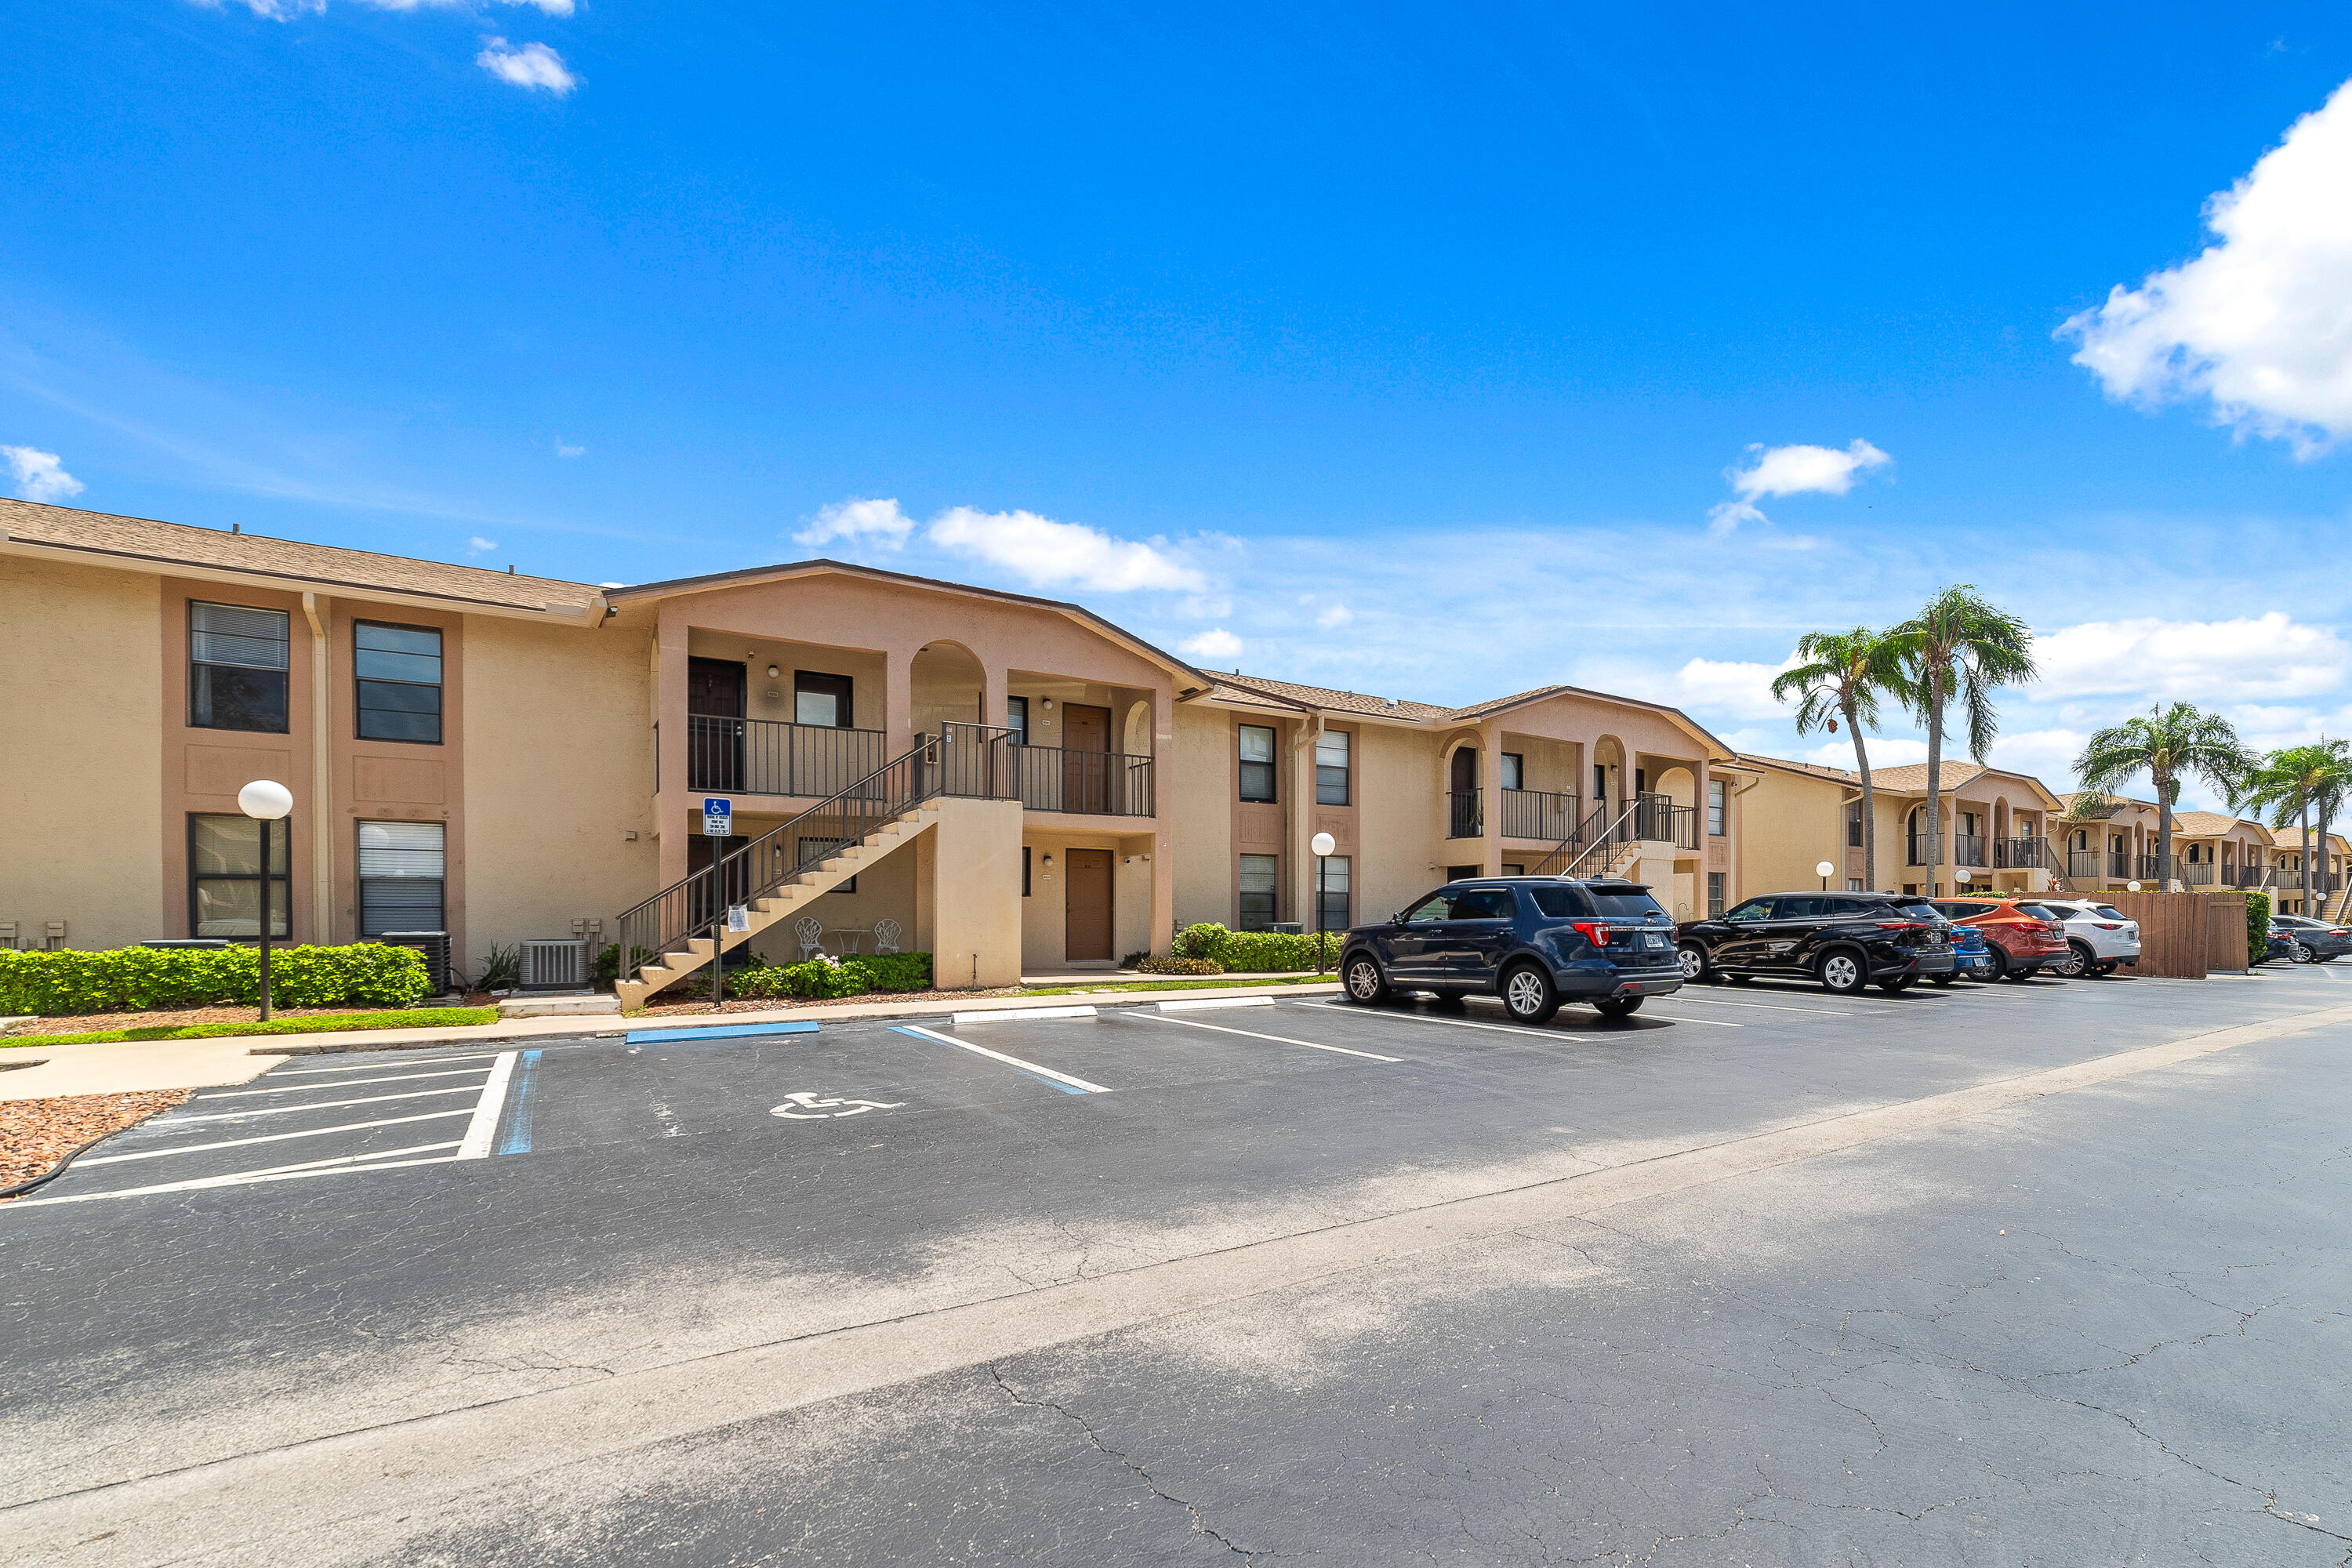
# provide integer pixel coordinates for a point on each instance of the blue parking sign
(718, 817)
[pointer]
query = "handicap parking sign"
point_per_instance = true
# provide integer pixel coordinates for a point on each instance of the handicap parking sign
(718, 817)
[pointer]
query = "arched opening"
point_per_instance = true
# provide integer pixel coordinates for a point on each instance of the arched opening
(1465, 818)
(945, 685)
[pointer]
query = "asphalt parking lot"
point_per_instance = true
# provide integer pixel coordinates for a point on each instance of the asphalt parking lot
(1733, 1280)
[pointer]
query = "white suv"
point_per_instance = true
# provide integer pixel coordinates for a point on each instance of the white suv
(2099, 937)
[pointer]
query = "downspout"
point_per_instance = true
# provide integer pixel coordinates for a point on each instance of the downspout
(322, 793)
(1299, 781)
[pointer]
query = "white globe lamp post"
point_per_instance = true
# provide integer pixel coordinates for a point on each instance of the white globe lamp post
(267, 801)
(1322, 844)
(1822, 872)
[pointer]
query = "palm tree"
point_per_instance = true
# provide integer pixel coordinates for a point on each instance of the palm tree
(2167, 744)
(2290, 784)
(1959, 648)
(1841, 675)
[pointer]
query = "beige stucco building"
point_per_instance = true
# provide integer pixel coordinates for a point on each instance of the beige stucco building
(1795, 816)
(1014, 785)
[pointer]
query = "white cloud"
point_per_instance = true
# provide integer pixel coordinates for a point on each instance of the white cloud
(2208, 662)
(531, 66)
(286, 10)
(1720, 688)
(1218, 644)
(2260, 322)
(1789, 471)
(562, 450)
(859, 521)
(1885, 751)
(1048, 553)
(1337, 615)
(481, 546)
(38, 475)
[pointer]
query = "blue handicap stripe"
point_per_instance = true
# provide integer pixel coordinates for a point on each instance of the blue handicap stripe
(518, 1138)
(727, 1031)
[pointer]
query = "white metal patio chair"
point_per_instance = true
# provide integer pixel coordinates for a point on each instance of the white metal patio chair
(811, 931)
(886, 936)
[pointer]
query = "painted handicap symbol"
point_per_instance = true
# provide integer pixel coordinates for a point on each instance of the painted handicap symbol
(807, 1106)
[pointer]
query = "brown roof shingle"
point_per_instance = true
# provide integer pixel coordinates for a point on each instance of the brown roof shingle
(1342, 701)
(102, 535)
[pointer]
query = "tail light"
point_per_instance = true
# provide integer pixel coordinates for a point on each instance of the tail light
(2108, 925)
(1594, 931)
(1903, 925)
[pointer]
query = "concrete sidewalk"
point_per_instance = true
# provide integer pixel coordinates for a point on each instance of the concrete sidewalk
(129, 1066)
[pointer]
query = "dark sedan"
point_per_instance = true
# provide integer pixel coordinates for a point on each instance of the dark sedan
(1844, 940)
(1535, 942)
(2314, 941)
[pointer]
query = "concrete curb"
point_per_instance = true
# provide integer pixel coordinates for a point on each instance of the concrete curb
(608, 1027)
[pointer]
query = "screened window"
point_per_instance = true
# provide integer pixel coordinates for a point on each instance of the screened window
(236, 668)
(1016, 719)
(1715, 895)
(1853, 824)
(402, 869)
(399, 670)
(1331, 768)
(1258, 876)
(1715, 807)
(224, 877)
(824, 700)
(1331, 891)
(1515, 771)
(1853, 884)
(1257, 761)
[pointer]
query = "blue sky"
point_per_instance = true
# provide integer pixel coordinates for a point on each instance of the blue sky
(1409, 350)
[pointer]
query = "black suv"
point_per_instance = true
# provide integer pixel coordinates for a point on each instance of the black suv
(1845, 940)
(1535, 942)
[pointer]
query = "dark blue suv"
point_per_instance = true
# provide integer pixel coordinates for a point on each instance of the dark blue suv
(1535, 942)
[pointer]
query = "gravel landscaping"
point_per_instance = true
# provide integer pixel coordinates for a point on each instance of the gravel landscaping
(35, 1134)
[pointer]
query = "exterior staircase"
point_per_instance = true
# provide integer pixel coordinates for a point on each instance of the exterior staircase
(681, 929)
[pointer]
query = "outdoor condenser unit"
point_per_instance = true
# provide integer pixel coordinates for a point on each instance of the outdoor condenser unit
(559, 964)
(432, 946)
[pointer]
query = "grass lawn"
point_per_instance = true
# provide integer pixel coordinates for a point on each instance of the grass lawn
(1182, 984)
(408, 1018)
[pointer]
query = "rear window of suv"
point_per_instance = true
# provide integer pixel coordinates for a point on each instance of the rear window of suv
(2038, 912)
(1586, 903)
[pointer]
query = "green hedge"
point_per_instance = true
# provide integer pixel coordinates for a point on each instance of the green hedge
(826, 977)
(135, 979)
(332, 1023)
(2258, 926)
(1255, 951)
(1178, 966)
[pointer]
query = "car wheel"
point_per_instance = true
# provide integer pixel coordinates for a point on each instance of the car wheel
(1842, 971)
(1693, 959)
(2000, 963)
(1618, 1006)
(2299, 953)
(1365, 983)
(1529, 995)
(2079, 961)
(1943, 979)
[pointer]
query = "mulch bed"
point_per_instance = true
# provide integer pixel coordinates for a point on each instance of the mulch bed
(167, 1017)
(665, 1007)
(35, 1134)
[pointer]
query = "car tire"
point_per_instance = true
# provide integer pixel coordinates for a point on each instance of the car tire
(2299, 953)
(2000, 961)
(1943, 980)
(1362, 980)
(1694, 962)
(1844, 972)
(1528, 995)
(2078, 964)
(1618, 1006)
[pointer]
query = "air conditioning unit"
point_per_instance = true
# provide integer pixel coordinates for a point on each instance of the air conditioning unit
(432, 946)
(557, 964)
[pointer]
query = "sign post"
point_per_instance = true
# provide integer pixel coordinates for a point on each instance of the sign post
(718, 822)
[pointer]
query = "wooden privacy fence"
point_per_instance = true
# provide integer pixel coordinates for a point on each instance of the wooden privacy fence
(2184, 935)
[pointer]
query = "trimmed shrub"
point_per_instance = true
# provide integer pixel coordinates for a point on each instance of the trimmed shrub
(2258, 926)
(1179, 966)
(139, 979)
(824, 977)
(1255, 951)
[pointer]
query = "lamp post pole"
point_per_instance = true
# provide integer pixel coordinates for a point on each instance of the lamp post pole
(267, 802)
(1322, 844)
(1822, 872)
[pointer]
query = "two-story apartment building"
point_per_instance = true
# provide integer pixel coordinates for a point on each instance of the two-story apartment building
(1012, 784)
(1798, 814)
(2288, 848)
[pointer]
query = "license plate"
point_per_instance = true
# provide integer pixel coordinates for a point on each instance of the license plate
(1652, 939)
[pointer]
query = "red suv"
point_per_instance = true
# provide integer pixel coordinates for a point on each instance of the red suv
(2023, 935)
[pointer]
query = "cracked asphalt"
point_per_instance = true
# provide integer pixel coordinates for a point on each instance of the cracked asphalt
(1766, 1278)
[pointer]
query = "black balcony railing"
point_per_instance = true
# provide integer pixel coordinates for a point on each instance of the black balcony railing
(2019, 854)
(1968, 849)
(2197, 873)
(1466, 814)
(761, 756)
(2085, 865)
(1919, 849)
(1093, 783)
(1539, 814)
(1658, 820)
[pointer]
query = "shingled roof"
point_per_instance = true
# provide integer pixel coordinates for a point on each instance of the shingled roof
(102, 538)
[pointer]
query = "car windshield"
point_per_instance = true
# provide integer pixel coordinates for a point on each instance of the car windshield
(2039, 912)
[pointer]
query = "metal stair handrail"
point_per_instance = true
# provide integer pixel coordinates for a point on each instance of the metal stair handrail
(1608, 834)
(935, 765)
(1576, 836)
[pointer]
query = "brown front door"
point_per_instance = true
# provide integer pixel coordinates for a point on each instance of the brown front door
(1086, 884)
(1086, 758)
(714, 724)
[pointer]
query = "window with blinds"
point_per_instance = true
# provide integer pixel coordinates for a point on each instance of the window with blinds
(236, 668)
(1258, 877)
(1331, 879)
(403, 872)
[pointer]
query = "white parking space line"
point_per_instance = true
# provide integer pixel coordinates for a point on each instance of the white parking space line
(1504, 1028)
(338, 1165)
(267, 1138)
(1251, 1033)
(340, 1084)
(485, 1125)
(1767, 1007)
(1194, 1003)
(317, 1105)
(379, 1067)
(1061, 1079)
(1022, 1014)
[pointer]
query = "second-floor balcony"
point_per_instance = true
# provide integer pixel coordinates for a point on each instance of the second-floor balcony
(1466, 814)
(1919, 849)
(755, 756)
(1093, 783)
(2019, 854)
(1539, 814)
(758, 756)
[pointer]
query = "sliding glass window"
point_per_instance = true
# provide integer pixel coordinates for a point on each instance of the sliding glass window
(224, 877)
(399, 671)
(236, 668)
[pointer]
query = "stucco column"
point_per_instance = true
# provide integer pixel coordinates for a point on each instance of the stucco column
(898, 700)
(675, 799)
(1490, 743)
(1163, 795)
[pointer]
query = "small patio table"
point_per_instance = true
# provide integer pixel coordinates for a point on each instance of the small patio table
(852, 939)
